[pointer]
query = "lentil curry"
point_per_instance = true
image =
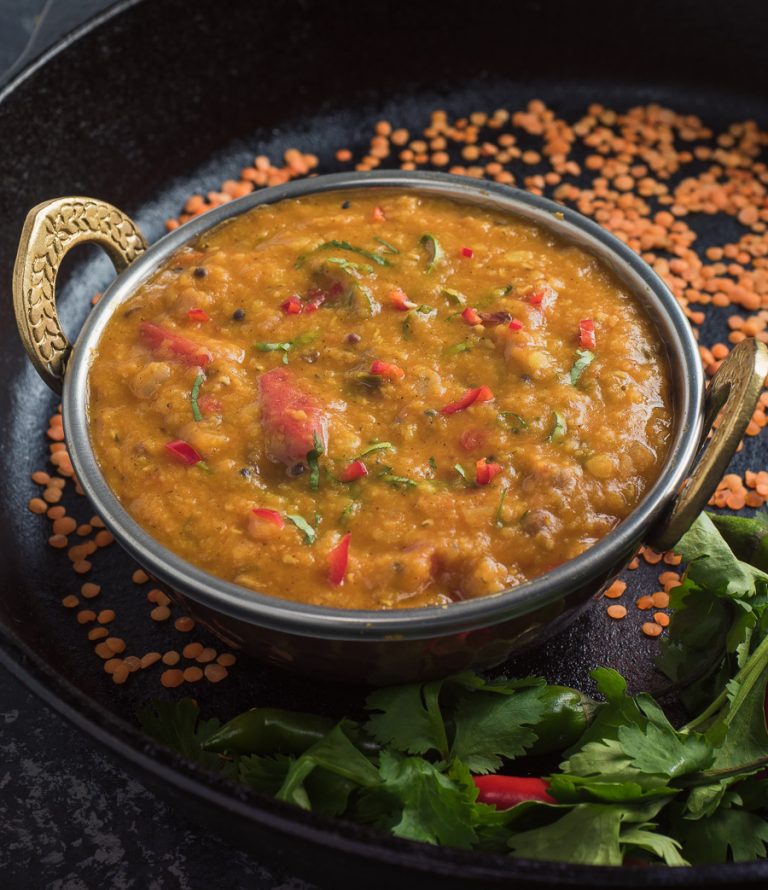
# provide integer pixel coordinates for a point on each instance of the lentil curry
(378, 399)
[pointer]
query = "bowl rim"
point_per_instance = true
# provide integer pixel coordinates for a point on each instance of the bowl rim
(332, 623)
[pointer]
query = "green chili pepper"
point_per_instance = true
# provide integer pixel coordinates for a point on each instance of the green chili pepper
(748, 538)
(278, 731)
(568, 714)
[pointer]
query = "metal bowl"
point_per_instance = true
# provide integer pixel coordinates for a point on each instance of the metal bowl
(399, 645)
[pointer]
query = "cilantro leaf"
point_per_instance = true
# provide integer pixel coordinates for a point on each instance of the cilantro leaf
(583, 360)
(489, 727)
(310, 534)
(708, 841)
(588, 834)
(264, 773)
(178, 726)
(409, 718)
(431, 806)
(666, 848)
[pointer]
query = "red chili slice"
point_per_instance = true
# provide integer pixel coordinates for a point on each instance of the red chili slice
(162, 339)
(505, 792)
(183, 451)
(385, 369)
(515, 325)
(467, 252)
(471, 316)
(400, 301)
(479, 394)
(338, 559)
(542, 297)
(292, 305)
(587, 333)
(485, 471)
(272, 516)
(197, 314)
(355, 470)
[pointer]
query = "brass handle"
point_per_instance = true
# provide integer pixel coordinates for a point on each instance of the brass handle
(734, 390)
(50, 230)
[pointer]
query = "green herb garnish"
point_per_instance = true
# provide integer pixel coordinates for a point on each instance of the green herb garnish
(513, 421)
(310, 535)
(196, 412)
(462, 472)
(313, 462)
(498, 521)
(368, 254)
(390, 247)
(434, 251)
(432, 462)
(288, 345)
(347, 266)
(377, 446)
(559, 427)
(395, 481)
(585, 358)
(454, 297)
(348, 512)
(457, 348)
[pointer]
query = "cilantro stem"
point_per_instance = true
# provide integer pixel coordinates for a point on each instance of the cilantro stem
(377, 446)
(709, 777)
(431, 693)
(361, 251)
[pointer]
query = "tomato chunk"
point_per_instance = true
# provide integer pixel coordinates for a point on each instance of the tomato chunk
(471, 316)
(338, 559)
(164, 340)
(290, 417)
(485, 470)
(479, 394)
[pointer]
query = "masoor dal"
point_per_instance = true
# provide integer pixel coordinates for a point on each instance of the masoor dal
(379, 400)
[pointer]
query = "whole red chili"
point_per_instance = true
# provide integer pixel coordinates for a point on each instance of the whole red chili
(505, 792)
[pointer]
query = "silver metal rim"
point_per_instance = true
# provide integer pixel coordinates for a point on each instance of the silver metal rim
(344, 624)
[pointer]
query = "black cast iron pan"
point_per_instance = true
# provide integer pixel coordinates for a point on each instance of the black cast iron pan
(158, 100)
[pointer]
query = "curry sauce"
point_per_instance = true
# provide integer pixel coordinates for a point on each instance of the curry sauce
(377, 399)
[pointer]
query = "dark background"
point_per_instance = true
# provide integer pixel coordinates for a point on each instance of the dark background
(70, 817)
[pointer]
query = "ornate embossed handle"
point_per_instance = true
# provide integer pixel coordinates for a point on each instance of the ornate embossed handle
(734, 390)
(50, 230)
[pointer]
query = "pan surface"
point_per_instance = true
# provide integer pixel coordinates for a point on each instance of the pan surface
(163, 100)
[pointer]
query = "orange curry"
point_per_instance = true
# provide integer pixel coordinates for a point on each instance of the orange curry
(378, 399)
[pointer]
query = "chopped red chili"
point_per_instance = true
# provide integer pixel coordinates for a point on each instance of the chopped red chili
(479, 394)
(317, 296)
(272, 516)
(186, 350)
(352, 471)
(400, 301)
(485, 470)
(293, 305)
(377, 214)
(467, 252)
(505, 792)
(471, 316)
(198, 315)
(543, 297)
(587, 334)
(515, 325)
(183, 451)
(385, 369)
(338, 559)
